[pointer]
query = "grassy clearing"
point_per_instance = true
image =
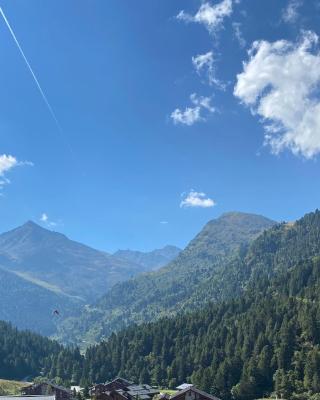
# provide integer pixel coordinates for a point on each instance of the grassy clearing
(45, 285)
(168, 391)
(11, 388)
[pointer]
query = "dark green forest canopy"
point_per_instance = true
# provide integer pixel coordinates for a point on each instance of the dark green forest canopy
(25, 355)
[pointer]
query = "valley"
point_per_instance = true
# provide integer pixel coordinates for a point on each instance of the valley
(252, 333)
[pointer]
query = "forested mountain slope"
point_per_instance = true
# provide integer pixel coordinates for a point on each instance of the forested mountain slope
(168, 290)
(278, 248)
(266, 340)
(26, 355)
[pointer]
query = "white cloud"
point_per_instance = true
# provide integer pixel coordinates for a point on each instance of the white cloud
(280, 82)
(205, 63)
(191, 115)
(211, 16)
(202, 101)
(196, 199)
(290, 13)
(8, 162)
(238, 34)
(45, 219)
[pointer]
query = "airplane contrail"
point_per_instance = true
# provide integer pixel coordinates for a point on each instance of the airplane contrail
(31, 71)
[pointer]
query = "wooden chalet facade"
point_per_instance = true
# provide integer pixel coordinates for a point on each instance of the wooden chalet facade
(47, 389)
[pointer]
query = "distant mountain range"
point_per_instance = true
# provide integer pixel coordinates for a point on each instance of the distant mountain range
(42, 270)
(97, 293)
(195, 277)
(151, 260)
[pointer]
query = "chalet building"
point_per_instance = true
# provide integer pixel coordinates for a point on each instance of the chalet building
(96, 390)
(121, 389)
(192, 393)
(47, 389)
(116, 384)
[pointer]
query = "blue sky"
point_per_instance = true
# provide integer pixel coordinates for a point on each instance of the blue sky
(156, 140)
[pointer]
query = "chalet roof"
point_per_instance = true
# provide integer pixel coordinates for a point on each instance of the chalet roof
(53, 385)
(120, 380)
(128, 389)
(184, 386)
(194, 389)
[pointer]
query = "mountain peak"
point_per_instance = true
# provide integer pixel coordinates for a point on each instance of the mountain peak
(31, 227)
(60, 264)
(227, 232)
(240, 214)
(29, 235)
(31, 224)
(239, 217)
